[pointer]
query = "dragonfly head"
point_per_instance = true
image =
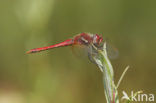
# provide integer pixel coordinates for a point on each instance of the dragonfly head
(97, 40)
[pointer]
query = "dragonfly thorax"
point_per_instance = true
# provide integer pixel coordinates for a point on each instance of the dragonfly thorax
(88, 39)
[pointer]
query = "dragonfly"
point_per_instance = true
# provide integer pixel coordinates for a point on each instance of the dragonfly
(85, 40)
(82, 39)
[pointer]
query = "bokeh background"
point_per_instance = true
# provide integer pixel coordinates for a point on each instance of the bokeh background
(58, 76)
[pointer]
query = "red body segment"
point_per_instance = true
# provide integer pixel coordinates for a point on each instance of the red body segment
(82, 38)
(62, 44)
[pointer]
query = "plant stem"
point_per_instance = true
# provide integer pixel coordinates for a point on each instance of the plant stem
(103, 62)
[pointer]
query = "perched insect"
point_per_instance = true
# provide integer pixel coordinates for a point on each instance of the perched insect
(84, 40)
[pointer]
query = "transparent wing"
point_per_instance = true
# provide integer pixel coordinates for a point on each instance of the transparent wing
(112, 52)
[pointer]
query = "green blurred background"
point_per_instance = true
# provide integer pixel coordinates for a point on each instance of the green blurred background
(58, 76)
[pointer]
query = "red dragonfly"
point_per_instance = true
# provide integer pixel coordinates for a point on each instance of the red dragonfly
(85, 40)
(82, 39)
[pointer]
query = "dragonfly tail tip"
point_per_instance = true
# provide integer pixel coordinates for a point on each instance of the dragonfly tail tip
(28, 52)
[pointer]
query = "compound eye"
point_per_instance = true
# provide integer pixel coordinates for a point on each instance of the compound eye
(97, 39)
(100, 39)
